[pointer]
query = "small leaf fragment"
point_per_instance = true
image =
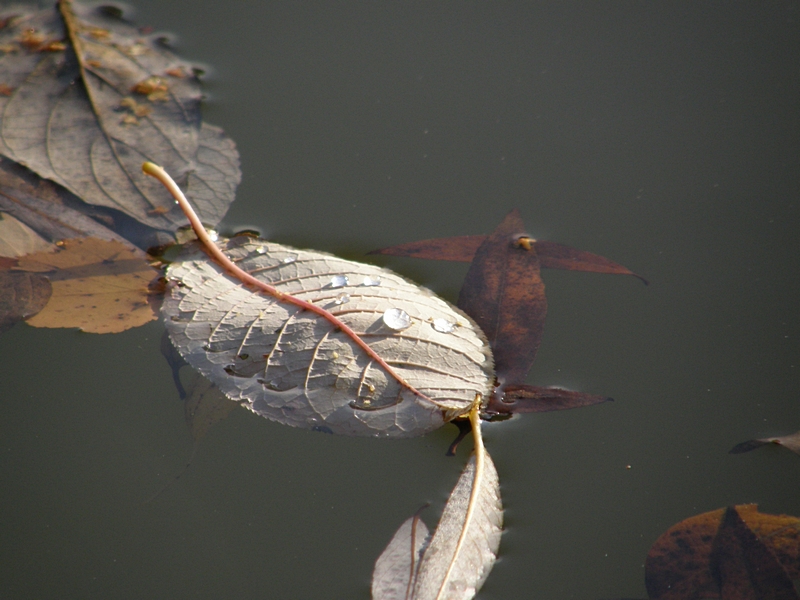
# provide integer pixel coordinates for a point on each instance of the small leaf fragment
(97, 285)
(791, 442)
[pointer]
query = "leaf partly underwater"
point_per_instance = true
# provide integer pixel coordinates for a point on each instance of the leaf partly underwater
(792, 442)
(89, 98)
(22, 295)
(520, 398)
(97, 285)
(503, 291)
(463, 549)
(678, 566)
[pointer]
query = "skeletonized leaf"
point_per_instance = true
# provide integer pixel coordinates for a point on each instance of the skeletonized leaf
(89, 98)
(792, 442)
(397, 566)
(293, 366)
(97, 285)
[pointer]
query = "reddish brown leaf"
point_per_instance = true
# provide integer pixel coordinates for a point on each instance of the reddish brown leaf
(460, 248)
(551, 255)
(22, 295)
(529, 398)
(558, 256)
(678, 564)
(743, 567)
(504, 293)
(792, 442)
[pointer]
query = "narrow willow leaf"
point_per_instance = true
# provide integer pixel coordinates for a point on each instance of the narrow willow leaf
(396, 567)
(464, 547)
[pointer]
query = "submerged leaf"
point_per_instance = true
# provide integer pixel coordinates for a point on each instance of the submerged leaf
(521, 398)
(17, 239)
(792, 442)
(99, 286)
(678, 565)
(90, 98)
(22, 295)
(743, 567)
(296, 367)
(504, 293)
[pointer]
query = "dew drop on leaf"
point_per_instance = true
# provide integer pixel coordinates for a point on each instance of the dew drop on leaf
(342, 299)
(371, 281)
(290, 259)
(397, 319)
(443, 326)
(338, 281)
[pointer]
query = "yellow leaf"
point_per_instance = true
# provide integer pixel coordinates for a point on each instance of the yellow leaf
(100, 286)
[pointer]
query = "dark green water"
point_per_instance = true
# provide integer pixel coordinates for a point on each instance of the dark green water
(663, 136)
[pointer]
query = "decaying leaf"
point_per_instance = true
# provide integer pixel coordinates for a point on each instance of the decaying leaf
(743, 566)
(520, 398)
(549, 254)
(463, 549)
(291, 365)
(97, 285)
(504, 293)
(90, 98)
(678, 566)
(17, 239)
(792, 442)
(22, 295)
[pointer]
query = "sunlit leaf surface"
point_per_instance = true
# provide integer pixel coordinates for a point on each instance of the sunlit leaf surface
(292, 366)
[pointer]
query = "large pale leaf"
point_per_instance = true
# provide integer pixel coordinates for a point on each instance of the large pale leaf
(293, 366)
(88, 98)
(456, 562)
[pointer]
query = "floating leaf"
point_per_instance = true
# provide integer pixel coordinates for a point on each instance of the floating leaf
(550, 255)
(22, 295)
(90, 98)
(293, 366)
(17, 239)
(99, 286)
(504, 293)
(743, 567)
(792, 442)
(678, 564)
(397, 567)
(463, 549)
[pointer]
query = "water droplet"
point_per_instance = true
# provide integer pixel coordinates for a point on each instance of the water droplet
(338, 281)
(371, 281)
(289, 259)
(342, 299)
(261, 250)
(443, 326)
(397, 319)
(213, 235)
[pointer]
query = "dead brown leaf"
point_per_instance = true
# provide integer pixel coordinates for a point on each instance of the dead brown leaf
(792, 442)
(100, 286)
